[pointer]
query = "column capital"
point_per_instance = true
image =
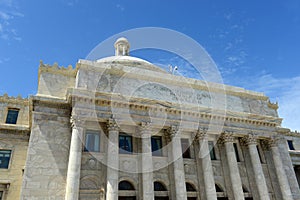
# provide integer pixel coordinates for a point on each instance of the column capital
(226, 137)
(172, 132)
(76, 121)
(145, 129)
(267, 144)
(112, 125)
(201, 134)
(249, 139)
(145, 126)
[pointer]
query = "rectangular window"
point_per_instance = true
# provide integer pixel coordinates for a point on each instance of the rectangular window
(1, 194)
(4, 158)
(291, 146)
(92, 141)
(212, 150)
(125, 144)
(12, 116)
(156, 146)
(185, 146)
(236, 152)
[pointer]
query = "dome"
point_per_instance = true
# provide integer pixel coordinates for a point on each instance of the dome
(122, 57)
(130, 61)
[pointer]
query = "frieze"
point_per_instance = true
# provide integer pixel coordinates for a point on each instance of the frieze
(153, 106)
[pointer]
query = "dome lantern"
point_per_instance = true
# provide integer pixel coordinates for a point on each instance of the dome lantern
(122, 47)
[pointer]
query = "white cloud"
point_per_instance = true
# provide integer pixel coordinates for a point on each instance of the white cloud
(8, 12)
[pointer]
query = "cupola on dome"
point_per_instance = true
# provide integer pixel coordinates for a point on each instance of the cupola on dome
(122, 47)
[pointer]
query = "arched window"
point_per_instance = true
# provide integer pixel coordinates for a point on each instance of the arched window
(218, 188)
(159, 186)
(125, 185)
(190, 187)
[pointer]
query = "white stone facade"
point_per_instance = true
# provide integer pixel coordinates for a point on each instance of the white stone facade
(80, 117)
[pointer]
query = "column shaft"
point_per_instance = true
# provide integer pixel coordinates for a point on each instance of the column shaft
(74, 165)
(112, 161)
(235, 179)
(175, 157)
(206, 166)
(147, 167)
(281, 175)
(258, 173)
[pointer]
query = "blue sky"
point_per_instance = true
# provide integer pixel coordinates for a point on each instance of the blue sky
(255, 44)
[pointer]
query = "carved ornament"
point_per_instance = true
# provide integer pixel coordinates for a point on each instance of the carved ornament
(112, 125)
(226, 137)
(249, 139)
(76, 121)
(172, 132)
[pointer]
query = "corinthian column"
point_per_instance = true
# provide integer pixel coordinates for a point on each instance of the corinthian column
(280, 172)
(146, 164)
(206, 167)
(235, 179)
(112, 160)
(74, 165)
(251, 142)
(174, 155)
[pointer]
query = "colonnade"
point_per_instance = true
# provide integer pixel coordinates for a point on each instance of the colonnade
(173, 135)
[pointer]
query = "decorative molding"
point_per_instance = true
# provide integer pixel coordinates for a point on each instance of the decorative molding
(273, 105)
(112, 125)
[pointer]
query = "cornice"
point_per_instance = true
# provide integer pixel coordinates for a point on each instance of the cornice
(15, 130)
(50, 102)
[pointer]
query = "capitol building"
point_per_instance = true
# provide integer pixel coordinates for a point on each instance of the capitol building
(122, 128)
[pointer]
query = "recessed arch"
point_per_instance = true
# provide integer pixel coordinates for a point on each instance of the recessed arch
(89, 182)
(219, 188)
(159, 186)
(190, 187)
(126, 185)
